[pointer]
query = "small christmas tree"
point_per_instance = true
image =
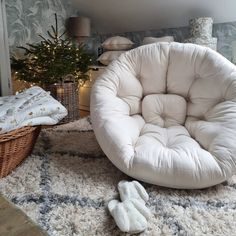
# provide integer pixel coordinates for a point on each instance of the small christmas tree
(50, 60)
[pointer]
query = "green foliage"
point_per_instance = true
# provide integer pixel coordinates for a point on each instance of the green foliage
(50, 60)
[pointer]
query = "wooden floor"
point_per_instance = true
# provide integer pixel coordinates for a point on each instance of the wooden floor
(13, 222)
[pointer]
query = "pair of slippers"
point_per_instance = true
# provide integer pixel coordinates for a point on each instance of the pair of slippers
(131, 214)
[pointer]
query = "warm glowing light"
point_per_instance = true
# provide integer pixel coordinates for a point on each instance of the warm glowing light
(60, 90)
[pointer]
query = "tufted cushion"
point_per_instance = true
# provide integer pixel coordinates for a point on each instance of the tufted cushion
(165, 113)
(148, 40)
(160, 109)
(109, 56)
(117, 43)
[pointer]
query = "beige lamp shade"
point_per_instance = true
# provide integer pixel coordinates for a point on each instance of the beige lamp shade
(79, 26)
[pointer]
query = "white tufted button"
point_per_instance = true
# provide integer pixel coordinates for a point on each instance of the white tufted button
(163, 116)
(197, 76)
(160, 109)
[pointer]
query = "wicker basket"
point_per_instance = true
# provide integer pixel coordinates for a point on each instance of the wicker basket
(15, 146)
(67, 93)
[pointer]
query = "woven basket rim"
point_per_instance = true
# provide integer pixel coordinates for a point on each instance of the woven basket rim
(17, 133)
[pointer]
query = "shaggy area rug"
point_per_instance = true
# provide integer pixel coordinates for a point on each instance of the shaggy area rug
(65, 186)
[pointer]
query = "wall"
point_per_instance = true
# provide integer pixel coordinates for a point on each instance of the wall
(113, 16)
(225, 32)
(5, 73)
(27, 19)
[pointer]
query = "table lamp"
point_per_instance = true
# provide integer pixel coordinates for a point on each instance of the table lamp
(79, 27)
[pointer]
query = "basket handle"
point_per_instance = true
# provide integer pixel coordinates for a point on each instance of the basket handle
(68, 79)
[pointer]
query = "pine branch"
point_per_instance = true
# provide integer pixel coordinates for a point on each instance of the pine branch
(51, 36)
(56, 25)
(50, 60)
(53, 29)
(27, 51)
(42, 37)
(62, 34)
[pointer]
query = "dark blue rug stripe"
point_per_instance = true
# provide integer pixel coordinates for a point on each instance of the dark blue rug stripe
(45, 205)
(77, 154)
(57, 200)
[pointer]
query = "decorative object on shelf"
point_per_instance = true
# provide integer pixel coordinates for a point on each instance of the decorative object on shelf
(79, 27)
(117, 43)
(48, 62)
(149, 40)
(116, 46)
(201, 32)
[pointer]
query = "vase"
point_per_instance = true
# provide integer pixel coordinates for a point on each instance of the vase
(201, 32)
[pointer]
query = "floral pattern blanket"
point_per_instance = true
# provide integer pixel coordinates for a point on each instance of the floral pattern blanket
(32, 107)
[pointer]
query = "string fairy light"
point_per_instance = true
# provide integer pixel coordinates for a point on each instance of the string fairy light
(50, 60)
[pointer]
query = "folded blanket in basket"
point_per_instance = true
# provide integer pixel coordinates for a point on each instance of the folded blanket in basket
(32, 107)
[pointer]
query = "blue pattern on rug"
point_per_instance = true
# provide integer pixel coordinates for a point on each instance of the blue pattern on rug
(174, 211)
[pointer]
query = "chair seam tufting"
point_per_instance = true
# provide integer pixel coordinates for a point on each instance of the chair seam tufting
(167, 70)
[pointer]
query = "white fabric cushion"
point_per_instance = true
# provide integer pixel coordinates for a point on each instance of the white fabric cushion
(165, 113)
(107, 57)
(117, 43)
(149, 40)
(160, 109)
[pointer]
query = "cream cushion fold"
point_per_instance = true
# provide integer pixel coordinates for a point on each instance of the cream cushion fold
(117, 43)
(165, 114)
(148, 40)
(107, 57)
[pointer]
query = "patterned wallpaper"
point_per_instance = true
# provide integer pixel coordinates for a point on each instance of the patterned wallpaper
(27, 19)
(225, 32)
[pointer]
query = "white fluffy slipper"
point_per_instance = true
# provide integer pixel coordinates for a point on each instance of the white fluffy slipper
(132, 190)
(130, 215)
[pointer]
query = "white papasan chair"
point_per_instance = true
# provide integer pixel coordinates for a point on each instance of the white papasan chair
(166, 114)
